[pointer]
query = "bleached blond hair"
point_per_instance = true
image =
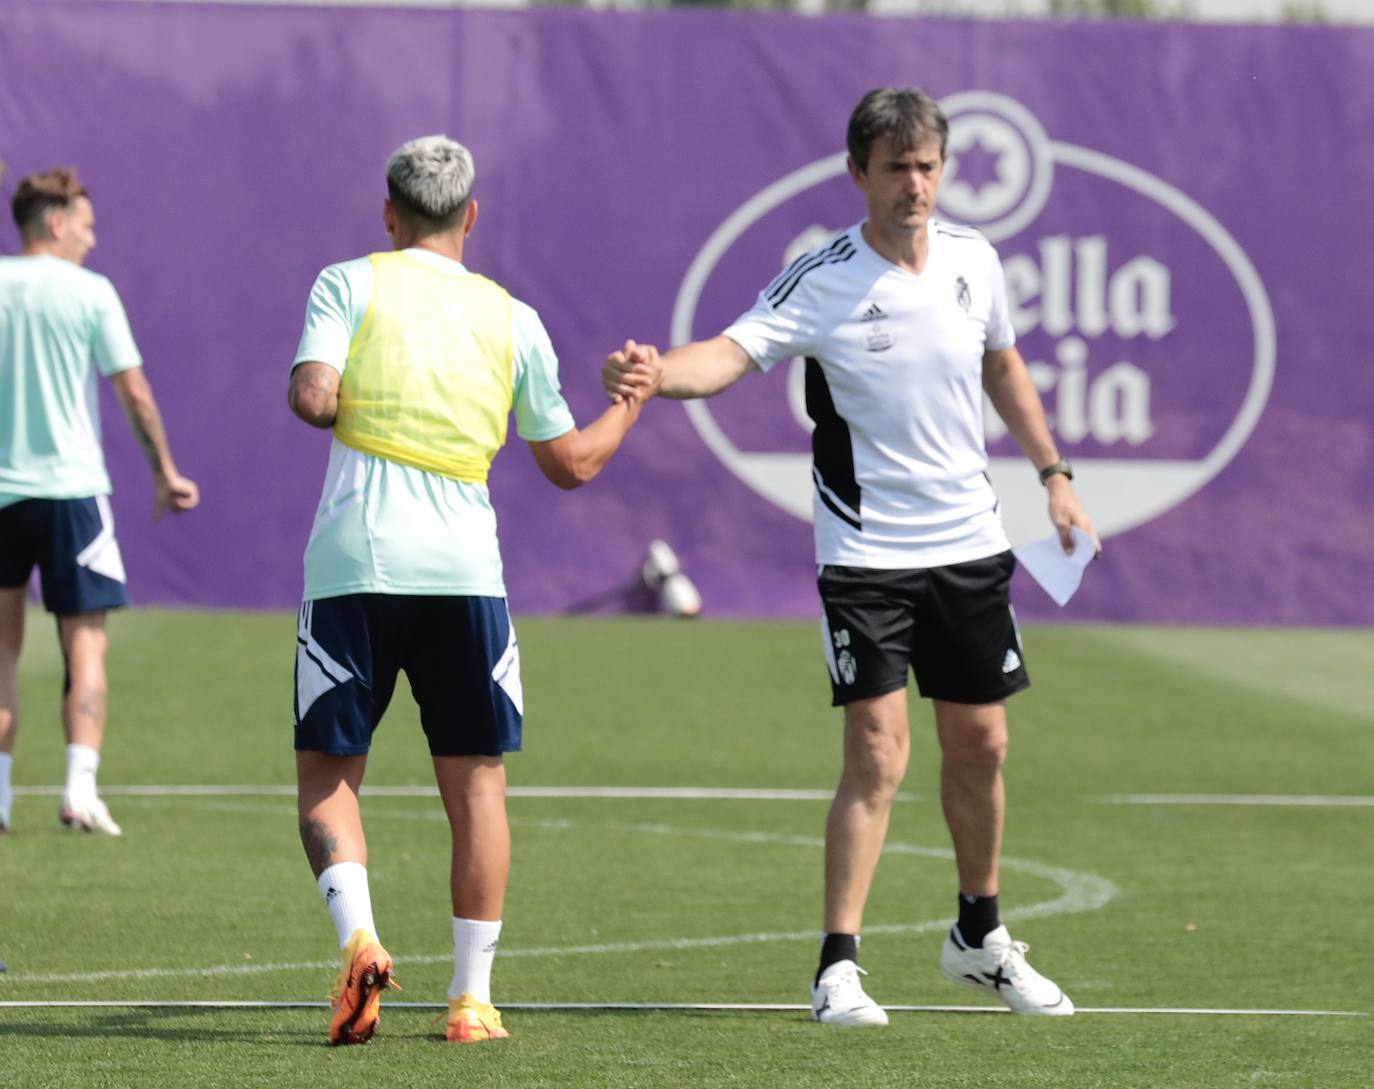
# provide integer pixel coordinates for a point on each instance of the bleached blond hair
(430, 179)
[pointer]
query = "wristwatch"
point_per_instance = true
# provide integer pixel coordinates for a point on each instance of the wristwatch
(1060, 466)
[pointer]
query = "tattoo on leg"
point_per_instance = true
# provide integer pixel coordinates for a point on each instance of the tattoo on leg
(92, 706)
(319, 844)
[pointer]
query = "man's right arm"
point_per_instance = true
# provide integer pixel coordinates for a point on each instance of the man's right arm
(700, 369)
(314, 393)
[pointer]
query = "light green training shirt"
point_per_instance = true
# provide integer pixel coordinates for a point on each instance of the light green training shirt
(387, 528)
(59, 324)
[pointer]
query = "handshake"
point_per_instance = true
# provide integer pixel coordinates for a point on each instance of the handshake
(633, 374)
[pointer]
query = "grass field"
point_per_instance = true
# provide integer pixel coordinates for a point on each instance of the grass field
(1126, 901)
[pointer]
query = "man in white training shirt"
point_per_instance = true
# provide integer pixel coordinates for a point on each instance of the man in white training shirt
(903, 322)
(60, 326)
(416, 363)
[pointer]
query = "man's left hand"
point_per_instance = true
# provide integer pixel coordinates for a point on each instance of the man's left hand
(1066, 512)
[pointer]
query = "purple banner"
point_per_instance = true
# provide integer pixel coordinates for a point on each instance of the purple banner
(1183, 213)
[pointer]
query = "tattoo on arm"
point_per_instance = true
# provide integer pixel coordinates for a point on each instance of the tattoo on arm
(319, 844)
(146, 422)
(314, 394)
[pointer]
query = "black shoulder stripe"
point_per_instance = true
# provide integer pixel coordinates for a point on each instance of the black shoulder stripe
(839, 256)
(802, 265)
(786, 272)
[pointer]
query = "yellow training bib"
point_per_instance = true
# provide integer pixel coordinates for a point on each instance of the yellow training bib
(428, 380)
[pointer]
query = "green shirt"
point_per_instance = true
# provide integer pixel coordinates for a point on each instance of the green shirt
(387, 528)
(59, 325)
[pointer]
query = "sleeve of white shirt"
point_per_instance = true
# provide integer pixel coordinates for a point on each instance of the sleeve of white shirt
(769, 335)
(337, 304)
(541, 413)
(113, 347)
(1001, 333)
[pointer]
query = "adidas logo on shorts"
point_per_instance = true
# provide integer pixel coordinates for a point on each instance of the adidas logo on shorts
(1011, 662)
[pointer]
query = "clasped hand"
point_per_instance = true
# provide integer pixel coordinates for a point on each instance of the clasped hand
(634, 373)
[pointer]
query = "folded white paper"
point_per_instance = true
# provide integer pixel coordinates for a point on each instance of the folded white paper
(1058, 572)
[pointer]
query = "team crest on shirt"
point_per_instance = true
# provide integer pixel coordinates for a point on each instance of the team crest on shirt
(877, 339)
(962, 295)
(876, 336)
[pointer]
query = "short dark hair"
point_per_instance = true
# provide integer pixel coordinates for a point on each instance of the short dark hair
(906, 115)
(38, 194)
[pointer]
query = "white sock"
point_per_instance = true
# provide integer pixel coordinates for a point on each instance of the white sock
(344, 888)
(6, 792)
(82, 761)
(474, 948)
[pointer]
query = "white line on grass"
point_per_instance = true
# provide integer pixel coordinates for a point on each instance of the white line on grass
(751, 794)
(731, 1007)
(1239, 799)
(1081, 892)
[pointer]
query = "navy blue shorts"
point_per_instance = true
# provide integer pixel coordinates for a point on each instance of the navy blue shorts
(953, 627)
(72, 543)
(458, 653)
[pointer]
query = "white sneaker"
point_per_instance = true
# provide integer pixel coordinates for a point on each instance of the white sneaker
(1000, 968)
(90, 815)
(838, 998)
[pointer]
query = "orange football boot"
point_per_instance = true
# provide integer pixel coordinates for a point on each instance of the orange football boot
(470, 1021)
(357, 993)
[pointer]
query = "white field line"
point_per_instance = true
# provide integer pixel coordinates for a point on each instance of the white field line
(731, 1007)
(1317, 800)
(751, 794)
(1080, 892)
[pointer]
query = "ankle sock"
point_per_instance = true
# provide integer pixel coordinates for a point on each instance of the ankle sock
(344, 888)
(977, 919)
(474, 948)
(6, 791)
(835, 948)
(82, 762)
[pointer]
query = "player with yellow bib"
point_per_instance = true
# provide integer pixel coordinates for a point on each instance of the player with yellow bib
(416, 364)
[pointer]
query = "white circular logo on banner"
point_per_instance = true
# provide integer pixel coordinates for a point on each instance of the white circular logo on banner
(1019, 166)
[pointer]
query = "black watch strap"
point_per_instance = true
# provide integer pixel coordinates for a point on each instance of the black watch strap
(1060, 466)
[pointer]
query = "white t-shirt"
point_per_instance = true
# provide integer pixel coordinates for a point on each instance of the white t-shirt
(894, 369)
(387, 528)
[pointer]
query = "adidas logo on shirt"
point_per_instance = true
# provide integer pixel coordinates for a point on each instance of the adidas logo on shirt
(873, 313)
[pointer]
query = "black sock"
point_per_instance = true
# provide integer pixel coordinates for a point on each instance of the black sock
(977, 918)
(835, 948)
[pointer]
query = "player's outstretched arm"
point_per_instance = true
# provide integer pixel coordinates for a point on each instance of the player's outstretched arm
(700, 369)
(174, 492)
(314, 393)
(1008, 384)
(575, 458)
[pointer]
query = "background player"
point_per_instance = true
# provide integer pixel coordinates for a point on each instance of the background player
(59, 325)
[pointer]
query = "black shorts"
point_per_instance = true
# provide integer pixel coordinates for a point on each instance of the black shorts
(459, 654)
(72, 543)
(953, 626)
